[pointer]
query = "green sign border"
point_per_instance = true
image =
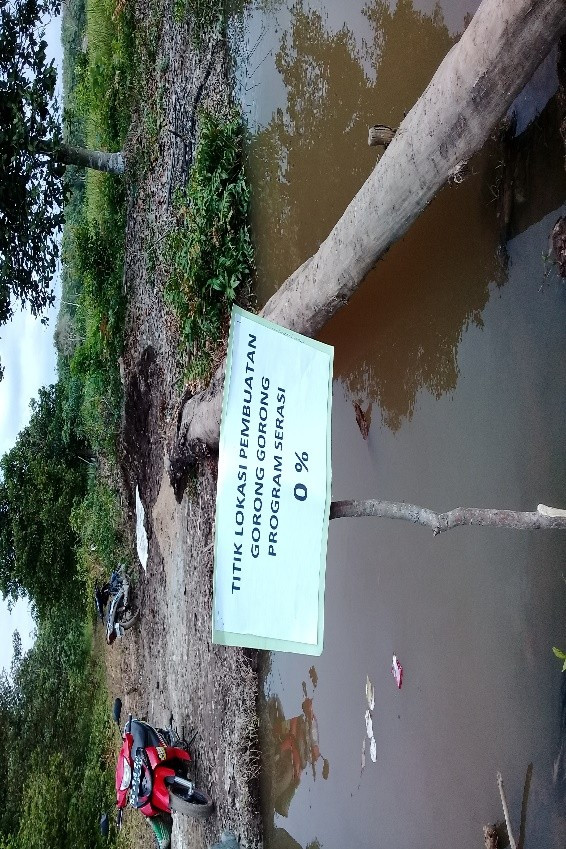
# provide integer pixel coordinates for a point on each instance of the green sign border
(228, 638)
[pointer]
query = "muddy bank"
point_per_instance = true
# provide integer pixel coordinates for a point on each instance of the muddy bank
(169, 666)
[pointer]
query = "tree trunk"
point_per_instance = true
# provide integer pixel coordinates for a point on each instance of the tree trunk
(544, 518)
(472, 89)
(112, 163)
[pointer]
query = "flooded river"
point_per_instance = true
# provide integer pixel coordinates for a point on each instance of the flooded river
(456, 342)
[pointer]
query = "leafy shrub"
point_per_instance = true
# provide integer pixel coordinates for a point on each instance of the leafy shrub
(210, 249)
(98, 523)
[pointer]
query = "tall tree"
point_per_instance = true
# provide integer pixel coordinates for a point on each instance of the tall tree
(40, 479)
(32, 159)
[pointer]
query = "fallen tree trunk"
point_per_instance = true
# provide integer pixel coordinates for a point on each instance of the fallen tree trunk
(471, 90)
(544, 518)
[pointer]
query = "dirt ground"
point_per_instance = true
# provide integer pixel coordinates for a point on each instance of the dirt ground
(167, 665)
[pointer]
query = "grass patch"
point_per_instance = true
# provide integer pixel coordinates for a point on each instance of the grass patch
(206, 17)
(98, 522)
(91, 321)
(210, 249)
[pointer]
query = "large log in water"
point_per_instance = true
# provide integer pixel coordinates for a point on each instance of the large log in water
(470, 92)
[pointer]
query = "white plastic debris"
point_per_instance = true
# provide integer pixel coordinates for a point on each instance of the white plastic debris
(141, 536)
(369, 724)
(554, 512)
(370, 698)
(370, 693)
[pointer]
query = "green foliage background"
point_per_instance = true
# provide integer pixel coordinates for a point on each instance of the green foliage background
(210, 249)
(60, 519)
(56, 734)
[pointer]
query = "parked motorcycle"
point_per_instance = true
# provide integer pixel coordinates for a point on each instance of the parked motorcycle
(152, 774)
(116, 594)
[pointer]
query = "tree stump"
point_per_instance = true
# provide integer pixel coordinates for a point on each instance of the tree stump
(380, 134)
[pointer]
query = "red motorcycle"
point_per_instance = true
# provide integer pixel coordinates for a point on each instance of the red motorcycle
(152, 774)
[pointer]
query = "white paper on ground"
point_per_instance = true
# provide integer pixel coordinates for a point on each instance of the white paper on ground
(141, 536)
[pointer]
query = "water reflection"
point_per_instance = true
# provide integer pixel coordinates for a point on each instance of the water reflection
(474, 615)
(290, 747)
(295, 746)
(313, 156)
(283, 840)
(405, 325)
(537, 178)
(559, 765)
(406, 321)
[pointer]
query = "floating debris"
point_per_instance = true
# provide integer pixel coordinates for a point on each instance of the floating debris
(369, 724)
(363, 420)
(370, 693)
(558, 242)
(370, 698)
(397, 671)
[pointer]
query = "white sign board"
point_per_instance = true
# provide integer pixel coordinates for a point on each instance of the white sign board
(273, 497)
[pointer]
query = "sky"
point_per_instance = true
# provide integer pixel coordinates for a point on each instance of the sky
(29, 359)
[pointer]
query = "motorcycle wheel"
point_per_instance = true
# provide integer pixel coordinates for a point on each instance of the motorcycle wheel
(131, 619)
(198, 804)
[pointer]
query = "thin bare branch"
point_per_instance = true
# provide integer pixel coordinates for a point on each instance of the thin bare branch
(506, 811)
(441, 522)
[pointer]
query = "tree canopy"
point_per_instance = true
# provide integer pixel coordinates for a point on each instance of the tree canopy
(41, 477)
(30, 185)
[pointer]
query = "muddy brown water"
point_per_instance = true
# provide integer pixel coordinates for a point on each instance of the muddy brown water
(457, 341)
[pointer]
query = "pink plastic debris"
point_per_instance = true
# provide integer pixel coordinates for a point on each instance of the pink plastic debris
(397, 671)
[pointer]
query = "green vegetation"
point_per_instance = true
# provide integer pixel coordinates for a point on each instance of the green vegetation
(57, 741)
(61, 524)
(61, 520)
(205, 16)
(561, 656)
(30, 180)
(90, 326)
(98, 524)
(210, 249)
(41, 478)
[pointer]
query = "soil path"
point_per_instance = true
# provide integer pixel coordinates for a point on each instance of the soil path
(168, 664)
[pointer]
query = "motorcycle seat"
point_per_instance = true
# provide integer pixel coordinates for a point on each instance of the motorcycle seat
(144, 735)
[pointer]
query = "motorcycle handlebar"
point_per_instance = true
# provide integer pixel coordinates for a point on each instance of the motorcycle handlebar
(129, 724)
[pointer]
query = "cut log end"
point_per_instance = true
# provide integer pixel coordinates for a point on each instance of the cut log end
(380, 134)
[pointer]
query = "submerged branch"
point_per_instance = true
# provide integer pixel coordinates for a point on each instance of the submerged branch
(440, 522)
(506, 811)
